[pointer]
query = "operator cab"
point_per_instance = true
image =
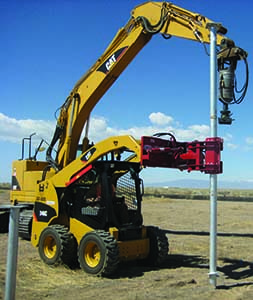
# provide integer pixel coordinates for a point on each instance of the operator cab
(108, 195)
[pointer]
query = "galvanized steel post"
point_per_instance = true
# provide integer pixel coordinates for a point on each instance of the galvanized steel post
(213, 177)
(12, 253)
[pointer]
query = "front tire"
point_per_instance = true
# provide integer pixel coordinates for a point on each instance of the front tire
(98, 253)
(57, 245)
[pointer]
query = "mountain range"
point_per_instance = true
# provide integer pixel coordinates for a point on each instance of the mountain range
(198, 184)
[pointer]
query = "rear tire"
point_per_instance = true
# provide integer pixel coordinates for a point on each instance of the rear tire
(158, 246)
(25, 224)
(98, 253)
(4, 221)
(57, 245)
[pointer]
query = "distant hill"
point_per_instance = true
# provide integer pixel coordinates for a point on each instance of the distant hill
(5, 186)
(199, 184)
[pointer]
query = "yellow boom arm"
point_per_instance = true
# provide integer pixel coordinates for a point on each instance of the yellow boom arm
(146, 20)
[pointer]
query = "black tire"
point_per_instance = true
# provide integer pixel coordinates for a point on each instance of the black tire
(158, 246)
(25, 224)
(69, 251)
(4, 221)
(98, 253)
(57, 245)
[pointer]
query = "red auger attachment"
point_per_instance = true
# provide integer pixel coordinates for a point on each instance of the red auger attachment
(193, 156)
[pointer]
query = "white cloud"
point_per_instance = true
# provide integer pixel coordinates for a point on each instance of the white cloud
(100, 129)
(160, 119)
(228, 137)
(232, 146)
(249, 140)
(193, 132)
(13, 130)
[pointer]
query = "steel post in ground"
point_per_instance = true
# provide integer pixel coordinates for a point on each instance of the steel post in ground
(213, 177)
(12, 253)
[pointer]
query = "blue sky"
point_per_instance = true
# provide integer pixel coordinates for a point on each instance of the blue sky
(46, 46)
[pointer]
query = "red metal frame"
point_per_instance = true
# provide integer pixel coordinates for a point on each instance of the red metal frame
(203, 156)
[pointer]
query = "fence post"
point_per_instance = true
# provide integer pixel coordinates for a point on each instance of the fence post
(12, 251)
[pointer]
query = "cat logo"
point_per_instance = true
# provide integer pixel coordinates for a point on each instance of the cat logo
(88, 155)
(43, 213)
(112, 60)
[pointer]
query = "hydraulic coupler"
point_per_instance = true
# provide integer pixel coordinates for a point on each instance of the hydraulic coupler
(203, 156)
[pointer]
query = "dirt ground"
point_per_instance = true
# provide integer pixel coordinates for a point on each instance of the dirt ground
(183, 276)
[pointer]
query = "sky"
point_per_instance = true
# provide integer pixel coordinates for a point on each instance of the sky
(46, 46)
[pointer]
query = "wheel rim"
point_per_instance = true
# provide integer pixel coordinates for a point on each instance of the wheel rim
(92, 254)
(49, 247)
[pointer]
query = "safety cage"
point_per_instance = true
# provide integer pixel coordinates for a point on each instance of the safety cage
(108, 194)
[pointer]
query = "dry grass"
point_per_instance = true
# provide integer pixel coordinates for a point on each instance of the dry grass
(199, 194)
(183, 276)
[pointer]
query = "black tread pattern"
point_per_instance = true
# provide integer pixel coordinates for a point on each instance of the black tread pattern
(112, 258)
(25, 224)
(159, 245)
(68, 251)
(111, 254)
(68, 245)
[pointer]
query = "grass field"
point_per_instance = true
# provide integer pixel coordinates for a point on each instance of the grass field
(199, 194)
(184, 275)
